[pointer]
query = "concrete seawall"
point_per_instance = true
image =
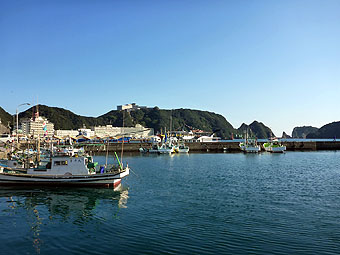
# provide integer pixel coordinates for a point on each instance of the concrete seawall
(216, 146)
(198, 146)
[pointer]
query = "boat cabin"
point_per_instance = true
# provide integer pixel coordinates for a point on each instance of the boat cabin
(66, 166)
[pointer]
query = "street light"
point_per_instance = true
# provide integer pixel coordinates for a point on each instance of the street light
(18, 119)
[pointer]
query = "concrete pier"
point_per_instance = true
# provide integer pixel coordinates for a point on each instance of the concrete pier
(229, 146)
(216, 146)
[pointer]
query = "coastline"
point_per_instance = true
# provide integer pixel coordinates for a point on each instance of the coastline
(230, 146)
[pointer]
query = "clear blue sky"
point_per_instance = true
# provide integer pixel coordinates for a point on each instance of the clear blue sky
(277, 62)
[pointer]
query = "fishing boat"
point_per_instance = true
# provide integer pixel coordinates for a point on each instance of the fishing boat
(66, 171)
(181, 148)
(143, 150)
(250, 145)
(164, 148)
(274, 146)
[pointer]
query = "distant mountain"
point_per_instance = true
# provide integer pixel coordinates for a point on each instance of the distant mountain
(5, 117)
(180, 119)
(257, 129)
(61, 118)
(303, 132)
(331, 130)
(284, 135)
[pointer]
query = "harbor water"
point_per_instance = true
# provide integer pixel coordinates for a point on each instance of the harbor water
(223, 203)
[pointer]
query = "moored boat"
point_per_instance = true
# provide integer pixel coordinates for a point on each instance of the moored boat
(66, 171)
(164, 148)
(182, 148)
(250, 145)
(274, 146)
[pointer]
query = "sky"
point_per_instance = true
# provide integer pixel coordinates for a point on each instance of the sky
(277, 62)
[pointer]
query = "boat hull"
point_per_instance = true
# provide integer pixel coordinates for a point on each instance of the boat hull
(251, 149)
(161, 151)
(279, 149)
(186, 150)
(74, 180)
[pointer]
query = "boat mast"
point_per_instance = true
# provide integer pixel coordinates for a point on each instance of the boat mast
(38, 149)
(107, 151)
(121, 156)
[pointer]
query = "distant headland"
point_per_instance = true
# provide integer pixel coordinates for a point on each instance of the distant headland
(160, 120)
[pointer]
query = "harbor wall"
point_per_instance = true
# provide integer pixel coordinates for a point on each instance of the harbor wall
(205, 146)
(217, 146)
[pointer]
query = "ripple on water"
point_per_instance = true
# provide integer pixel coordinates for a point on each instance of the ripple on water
(192, 204)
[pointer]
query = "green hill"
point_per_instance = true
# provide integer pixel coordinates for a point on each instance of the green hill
(184, 119)
(61, 118)
(180, 119)
(257, 129)
(331, 130)
(303, 132)
(5, 117)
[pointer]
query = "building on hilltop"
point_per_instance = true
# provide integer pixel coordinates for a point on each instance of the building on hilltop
(130, 107)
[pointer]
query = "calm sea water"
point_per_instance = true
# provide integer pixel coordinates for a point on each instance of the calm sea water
(186, 204)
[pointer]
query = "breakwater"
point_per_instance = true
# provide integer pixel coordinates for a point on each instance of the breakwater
(215, 146)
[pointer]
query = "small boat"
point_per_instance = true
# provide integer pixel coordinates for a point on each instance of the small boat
(164, 148)
(274, 146)
(182, 148)
(250, 145)
(143, 150)
(66, 171)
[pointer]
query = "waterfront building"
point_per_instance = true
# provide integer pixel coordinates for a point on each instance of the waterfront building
(66, 133)
(109, 131)
(212, 138)
(38, 126)
(86, 132)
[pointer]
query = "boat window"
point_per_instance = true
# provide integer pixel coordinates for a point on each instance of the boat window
(57, 163)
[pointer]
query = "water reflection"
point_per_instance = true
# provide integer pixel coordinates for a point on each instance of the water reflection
(74, 206)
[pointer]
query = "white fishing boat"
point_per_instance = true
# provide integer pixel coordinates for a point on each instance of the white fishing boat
(250, 145)
(181, 148)
(143, 150)
(164, 148)
(274, 146)
(66, 171)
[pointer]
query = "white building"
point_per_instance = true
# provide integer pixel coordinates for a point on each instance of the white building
(138, 131)
(129, 107)
(37, 126)
(73, 133)
(65, 133)
(212, 138)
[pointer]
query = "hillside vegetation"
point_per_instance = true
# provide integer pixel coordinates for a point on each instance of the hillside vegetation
(331, 130)
(180, 119)
(158, 119)
(257, 129)
(5, 117)
(303, 132)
